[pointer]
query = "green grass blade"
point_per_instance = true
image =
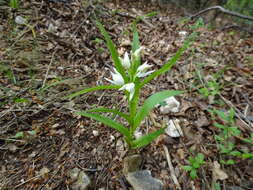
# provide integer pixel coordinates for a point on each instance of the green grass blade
(136, 40)
(115, 111)
(84, 91)
(150, 103)
(53, 84)
(113, 124)
(171, 62)
(147, 139)
(113, 50)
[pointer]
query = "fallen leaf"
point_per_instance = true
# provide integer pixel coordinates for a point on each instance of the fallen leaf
(218, 174)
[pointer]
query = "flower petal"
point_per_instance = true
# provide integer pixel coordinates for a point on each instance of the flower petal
(130, 88)
(117, 79)
(138, 52)
(126, 61)
(143, 67)
(144, 74)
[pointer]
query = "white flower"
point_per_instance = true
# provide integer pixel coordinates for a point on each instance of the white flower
(20, 20)
(130, 88)
(138, 134)
(126, 61)
(137, 52)
(117, 79)
(141, 70)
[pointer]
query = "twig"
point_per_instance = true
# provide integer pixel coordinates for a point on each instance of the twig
(223, 11)
(27, 181)
(238, 113)
(51, 61)
(234, 26)
(172, 171)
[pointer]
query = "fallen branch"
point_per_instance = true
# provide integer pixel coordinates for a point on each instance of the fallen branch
(171, 168)
(225, 11)
(237, 27)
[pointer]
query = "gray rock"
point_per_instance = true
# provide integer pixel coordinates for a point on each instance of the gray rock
(142, 180)
(132, 163)
(80, 180)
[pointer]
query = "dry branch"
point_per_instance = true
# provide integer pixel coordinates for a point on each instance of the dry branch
(225, 11)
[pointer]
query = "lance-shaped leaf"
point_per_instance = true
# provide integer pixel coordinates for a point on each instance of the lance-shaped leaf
(84, 91)
(114, 111)
(171, 62)
(113, 124)
(147, 139)
(113, 51)
(136, 41)
(150, 103)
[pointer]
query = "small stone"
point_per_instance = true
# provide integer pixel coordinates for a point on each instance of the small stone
(173, 128)
(142, 180)
(81, 180)
(182, 33)
(132, 163)
(73, 174)
(20, 20)
(95, 133)
(112, 138)
(12, 147)
(171, 105)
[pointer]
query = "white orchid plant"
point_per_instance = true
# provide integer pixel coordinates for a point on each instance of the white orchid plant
(129, 75)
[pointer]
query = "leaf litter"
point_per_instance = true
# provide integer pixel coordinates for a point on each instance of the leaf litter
(69, 54)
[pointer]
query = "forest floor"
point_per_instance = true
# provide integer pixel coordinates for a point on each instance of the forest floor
(41, 138)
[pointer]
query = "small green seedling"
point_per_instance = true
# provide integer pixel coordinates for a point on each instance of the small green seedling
(212, 88)
(228, 130)
(195, 164)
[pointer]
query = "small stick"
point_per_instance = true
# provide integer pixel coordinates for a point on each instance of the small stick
(238, 113)
(51, 61)
(172, 170)
(27, 181)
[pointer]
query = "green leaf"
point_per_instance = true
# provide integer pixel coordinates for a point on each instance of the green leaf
(187, 168)
(113, 124)
(14, 4)
(196, 165)
(220, 126)
(150, 103)
(54, 84)
(231, 114)
(217, 186)
(235, 153)
(147, 139)
(19, 135)
(84, 91)
(247, 155)
(20, 100)
(113, 51)
(193, 174)
(228, 162)
(222, 115)
(136, 41)
(171, 62)
(115, 111)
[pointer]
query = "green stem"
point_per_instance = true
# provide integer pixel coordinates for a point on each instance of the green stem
(133, 104)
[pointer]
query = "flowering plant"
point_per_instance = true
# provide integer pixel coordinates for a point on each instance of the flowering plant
(130, 76)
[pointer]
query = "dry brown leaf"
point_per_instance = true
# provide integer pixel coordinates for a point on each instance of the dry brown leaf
(218, 174)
